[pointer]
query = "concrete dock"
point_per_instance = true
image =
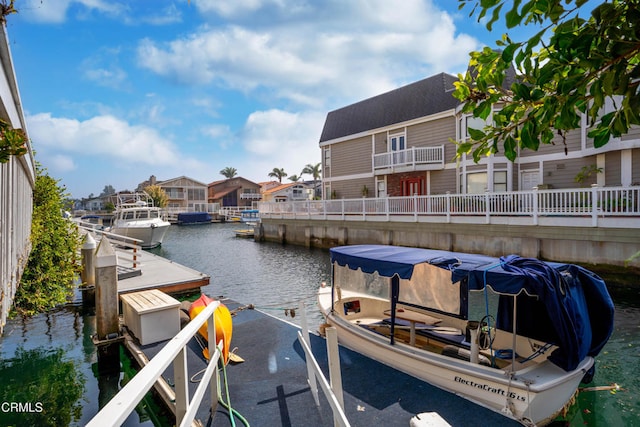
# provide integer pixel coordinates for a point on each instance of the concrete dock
(270, 387)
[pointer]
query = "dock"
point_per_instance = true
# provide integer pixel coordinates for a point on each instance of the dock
(156, 272)
(270, 387)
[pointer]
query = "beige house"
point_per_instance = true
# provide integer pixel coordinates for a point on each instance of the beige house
(400, 144)
(185, 194)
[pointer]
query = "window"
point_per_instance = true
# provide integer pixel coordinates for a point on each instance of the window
(397, 142)
(476, 183)
(500, 181)
(326, 167)
(469, 121)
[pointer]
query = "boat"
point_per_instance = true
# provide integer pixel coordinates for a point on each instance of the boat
(245, 232)
(222, 321)
(516, 335)
(250, 217)
(191, 218)
(137, 217)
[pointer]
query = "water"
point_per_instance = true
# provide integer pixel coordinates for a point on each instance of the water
(49, 366)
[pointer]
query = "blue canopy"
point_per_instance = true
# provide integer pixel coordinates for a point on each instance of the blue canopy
(559, 303)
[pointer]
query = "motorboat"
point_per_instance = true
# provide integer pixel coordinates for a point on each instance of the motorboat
(516, 335)
(138, 218)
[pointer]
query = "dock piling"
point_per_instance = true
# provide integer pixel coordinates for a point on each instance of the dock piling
(107, 322)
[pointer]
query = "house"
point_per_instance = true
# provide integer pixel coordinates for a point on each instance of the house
(235, 191)
(185, 194)
(400, 144)
(291, 192)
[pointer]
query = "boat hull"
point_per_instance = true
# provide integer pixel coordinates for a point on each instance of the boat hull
(151, 234)
(536, 394)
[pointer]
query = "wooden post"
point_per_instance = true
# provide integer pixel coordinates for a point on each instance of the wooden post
(107, 323)
(88, 251)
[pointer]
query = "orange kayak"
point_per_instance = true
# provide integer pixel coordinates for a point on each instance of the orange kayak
(222, 320)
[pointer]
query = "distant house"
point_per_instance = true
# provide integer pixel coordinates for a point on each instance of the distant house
(235, 191)
(399, 144)
(185, 194)
(291, 192)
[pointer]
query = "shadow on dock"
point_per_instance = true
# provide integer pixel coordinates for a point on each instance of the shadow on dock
(270, 387)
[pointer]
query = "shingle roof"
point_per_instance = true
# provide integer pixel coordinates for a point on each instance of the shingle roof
(420, 99)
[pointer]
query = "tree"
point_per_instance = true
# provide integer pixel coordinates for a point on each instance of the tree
(229, 172)
(313, 170)
(583, 67)
(13, 142)
(278, 174)
(158, 195)
(294, 178)
(108, 189)
(48, 277)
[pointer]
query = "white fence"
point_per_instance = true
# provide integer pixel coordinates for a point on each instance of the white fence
(16, 206)
(590, 204)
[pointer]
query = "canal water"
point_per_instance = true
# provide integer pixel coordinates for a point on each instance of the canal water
(51, 376)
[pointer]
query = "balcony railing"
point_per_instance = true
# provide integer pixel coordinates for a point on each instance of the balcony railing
(596, 206)
(411, 158)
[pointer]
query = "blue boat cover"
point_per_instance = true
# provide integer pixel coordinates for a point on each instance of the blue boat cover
(563, 304)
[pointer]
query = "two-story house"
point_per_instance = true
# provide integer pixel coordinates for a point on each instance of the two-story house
(235, 191)
(185, 194)
(401, 143)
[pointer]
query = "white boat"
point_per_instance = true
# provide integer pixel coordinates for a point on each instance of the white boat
(447, 318)
(137, 217)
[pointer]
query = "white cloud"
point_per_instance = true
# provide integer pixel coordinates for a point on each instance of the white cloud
(277, 138)
(55, 11)
(62, 163)
(327, 52)
(106, 136)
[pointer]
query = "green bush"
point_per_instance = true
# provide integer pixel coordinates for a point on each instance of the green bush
(51, 269)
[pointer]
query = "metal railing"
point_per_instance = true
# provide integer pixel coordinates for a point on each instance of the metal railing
(332, 390)
(122, 404)
(410, 157)
(593, 203)
(130, 252)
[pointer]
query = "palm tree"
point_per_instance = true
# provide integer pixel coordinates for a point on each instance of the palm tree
(295, 178)
(313, 170)
(278, 173)
(229, 172)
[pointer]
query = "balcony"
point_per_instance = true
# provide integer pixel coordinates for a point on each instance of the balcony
(412, 159)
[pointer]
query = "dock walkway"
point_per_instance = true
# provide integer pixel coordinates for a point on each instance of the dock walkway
(270, 387)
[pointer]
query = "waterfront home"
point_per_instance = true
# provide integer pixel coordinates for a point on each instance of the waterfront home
(185, 194)
(291, 192)
(17, 179)
(235, 191)
(399, 144)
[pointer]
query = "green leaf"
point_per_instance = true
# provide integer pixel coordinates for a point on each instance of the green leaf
(476, 134)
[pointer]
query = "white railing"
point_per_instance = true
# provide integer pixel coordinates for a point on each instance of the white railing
(122, 404)
(130, 257)
(410, 157)
(16, 207)
(332, 390)
(591, 203)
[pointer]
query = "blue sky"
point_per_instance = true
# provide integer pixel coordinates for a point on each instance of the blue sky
(116, 91)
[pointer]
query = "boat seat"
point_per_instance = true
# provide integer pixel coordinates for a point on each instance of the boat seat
(430, 331)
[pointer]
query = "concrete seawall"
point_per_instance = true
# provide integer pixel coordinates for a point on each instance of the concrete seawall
(584, 245)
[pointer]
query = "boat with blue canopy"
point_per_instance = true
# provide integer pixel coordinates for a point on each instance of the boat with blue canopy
(516, 335)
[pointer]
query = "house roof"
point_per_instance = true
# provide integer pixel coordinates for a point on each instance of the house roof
(420, 99)
(280, 188)
(224, 192)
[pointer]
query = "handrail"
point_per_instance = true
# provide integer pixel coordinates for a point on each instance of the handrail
(593, 203)
(131, 257)
(333, 391)
(122, 404)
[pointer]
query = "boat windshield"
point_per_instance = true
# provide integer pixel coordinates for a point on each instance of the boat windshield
(371, 284)
(143, 215)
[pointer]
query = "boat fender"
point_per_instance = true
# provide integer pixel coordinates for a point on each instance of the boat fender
(185, 306)
(184, 319)
(428, 419)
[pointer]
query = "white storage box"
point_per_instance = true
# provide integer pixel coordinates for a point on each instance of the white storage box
(151, 315)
